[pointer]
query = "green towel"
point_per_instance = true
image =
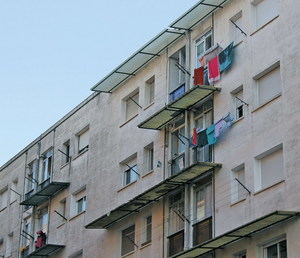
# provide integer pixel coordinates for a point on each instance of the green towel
(226, 58)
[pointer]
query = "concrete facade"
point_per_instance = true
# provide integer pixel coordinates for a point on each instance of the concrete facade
(97, 172)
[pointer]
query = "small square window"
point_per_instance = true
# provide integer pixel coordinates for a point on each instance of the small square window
(238, 102)
(81, 204)
(131, 175)
(264, 11)
(236, 25)
(268, 85)
(83, 140)
(238, 192)
(47, 160)
(269, 168)
(131, 106)
(66, 152)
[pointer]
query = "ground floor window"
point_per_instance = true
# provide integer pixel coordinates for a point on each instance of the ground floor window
(277, 250)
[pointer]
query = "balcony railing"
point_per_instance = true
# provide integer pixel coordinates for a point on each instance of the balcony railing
(43, 192)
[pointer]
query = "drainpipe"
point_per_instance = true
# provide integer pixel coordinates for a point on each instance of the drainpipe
(20, 206)
(52, 175)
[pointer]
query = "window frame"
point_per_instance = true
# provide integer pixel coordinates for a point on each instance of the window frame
(132, 179)
(86, 147)
(258, 175)
(132, 241)
(275, 242)
(147, 226)
(150, 91)
(128, 117)
(83, 206)
(200, 40)
(46, 166)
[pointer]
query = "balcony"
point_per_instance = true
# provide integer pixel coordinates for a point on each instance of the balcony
(184, 176)
(43, 192)
(175, 108)
(46, 250)
(238, 233)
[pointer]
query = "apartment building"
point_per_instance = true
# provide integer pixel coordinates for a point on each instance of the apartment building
(189, 148)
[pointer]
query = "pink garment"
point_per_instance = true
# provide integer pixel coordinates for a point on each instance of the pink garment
(213, 70)
(219, 127)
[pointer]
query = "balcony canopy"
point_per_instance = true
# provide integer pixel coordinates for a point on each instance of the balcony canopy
(45, 250)
(153, 194)
(135, 62)
(197, 13)
(238, 233)
(42, 194)
(173, 109)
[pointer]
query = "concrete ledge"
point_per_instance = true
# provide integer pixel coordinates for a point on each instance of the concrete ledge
(269, 187)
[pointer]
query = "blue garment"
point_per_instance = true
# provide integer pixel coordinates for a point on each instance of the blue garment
(177, 93)
(228, 119)
(226, 58)
(210, 132)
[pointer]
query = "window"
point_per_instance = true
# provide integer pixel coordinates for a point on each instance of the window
(78, 202)
(147, 230)
(83, 140)
(238, 192)
(176, 243)
(235, 33)
(242, 254)
(177, 70)
(264, 11)
(27, 229)
(13, 191)
(270, 167)
(178, 144)
(131, 175)
(66, 154)
(62, 209)
(150, 90)
(176, 210)
(9, 245)
(203, 118)
(132, 106)
(149, 158)
(3, 198)
(32, 176)
(202, 45)
(43, 220)
(128, 240)
(202, 231)
(203, 202)
(81, 205)
(269, 85)
(278, 250)
(46, 165)
(238, 103)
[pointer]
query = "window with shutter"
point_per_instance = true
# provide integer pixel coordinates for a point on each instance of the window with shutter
(269, 85)
(83, 141)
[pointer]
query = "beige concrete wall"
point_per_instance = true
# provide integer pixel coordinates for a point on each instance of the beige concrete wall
(113, 140)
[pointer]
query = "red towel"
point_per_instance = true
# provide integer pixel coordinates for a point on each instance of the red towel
(194, 137)
(213, 70)
(198, 76)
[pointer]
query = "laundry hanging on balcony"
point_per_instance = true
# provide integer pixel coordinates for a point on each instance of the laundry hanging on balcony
(211, 134)
(199, 76)
(213, 70)
(226, 58)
